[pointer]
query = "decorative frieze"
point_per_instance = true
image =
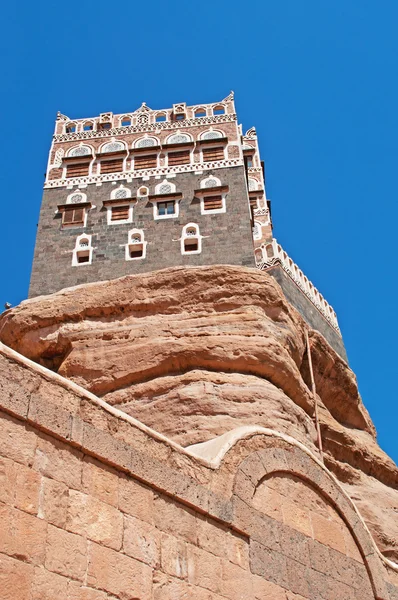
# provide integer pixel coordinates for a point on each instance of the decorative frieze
(143, 127)
(273, 255)
(207, 166)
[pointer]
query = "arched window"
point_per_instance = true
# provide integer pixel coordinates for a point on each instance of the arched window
(199, 112)
(79, 151)
(191, 240)
(219, 110)
(88, 126)
(136, 245)
(83, 252)
(165, 188)
(146, 142)
(143, 191)
(125, 121)
(178, 138)
(161, 117)
(70, 128)
(211, 135)
(253, 185)
(112, 147)
(257, 231)
(210, 182)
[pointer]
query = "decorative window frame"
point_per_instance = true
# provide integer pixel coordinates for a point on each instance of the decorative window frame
(161, 114)
(79, 249)
(257, 231)
(197, 236)
(255, 183)
(175, 133)
(117, 189)
(167, 152)
(130, 243)
(200, 109)
(209, 178)
(211, 130)
(65, 226)
(134, 156)
(213, 211)
(108, 143)
(165, 182)
(125, 118)
(75, 193)
(158, 217)
(222, 107)
(70, 124)
(79, 156)
(146, 137)
(215, 145)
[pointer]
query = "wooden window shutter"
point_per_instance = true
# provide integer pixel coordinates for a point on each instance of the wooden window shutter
(210, 154)
(77, 170)
(212, 202)
(182, 157)
(146, 162)
(120, 213)
(112, 166)
(73, 216)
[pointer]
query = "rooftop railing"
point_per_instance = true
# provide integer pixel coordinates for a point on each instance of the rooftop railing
(273, 254)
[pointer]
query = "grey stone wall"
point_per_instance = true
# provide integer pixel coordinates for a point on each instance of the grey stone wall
(228, 236)
(307, 310)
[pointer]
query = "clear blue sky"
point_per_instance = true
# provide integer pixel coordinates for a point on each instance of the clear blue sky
(318, 80)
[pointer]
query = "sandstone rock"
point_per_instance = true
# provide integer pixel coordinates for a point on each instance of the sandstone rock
(196, 352)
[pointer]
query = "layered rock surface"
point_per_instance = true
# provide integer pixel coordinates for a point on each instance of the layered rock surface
(195, 352)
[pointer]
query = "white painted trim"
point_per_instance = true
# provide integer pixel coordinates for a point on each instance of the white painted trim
(130, 245)
(165, 182)
(175, 215)
(116, 190)
(197, 237)
(203, 181)
(82, 250)
(74, 193)
(123, 202)
(213, 211)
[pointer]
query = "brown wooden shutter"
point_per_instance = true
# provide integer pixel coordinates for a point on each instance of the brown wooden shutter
(210, 154)
(120, 213)
(145, 162)
(73, 216)
(212, 202)
(112, 166)
(183, 157)
(77, 170)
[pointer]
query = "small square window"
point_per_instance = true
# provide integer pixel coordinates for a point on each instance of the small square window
(166, 208)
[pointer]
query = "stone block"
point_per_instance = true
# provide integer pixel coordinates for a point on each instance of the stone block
(88, 516)
(118, 574)
(49, 416)
(294, 544)
(266, 590)
(135, 499)
(15, 578)
(17, 441)
(78, 591)
(53, 504)
(141, 541)
(58, 461)
(297, 517)
(47, 585)
(23, 535)
(269, 564)
(328, 532)
(100, 481)
(66, 553)
(204, 569)
(27, 489)
(236, 582)
(173, 518)
(173, 552)
(7, 481)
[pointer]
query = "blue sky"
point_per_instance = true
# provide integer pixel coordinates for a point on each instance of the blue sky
(318, 80)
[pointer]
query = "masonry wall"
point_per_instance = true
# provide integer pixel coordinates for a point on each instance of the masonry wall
(227, 236)
(95, 507)
(307, 310)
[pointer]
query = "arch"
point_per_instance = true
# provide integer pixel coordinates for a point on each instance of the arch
(179, 138)
(81, 150)
(125, 121)
(120, 193)
(210, 182)
(160, 116)
(83, 251)
(70, 127)
(252, 184)
(257, 233)
(146, 142)
(76, 197)
(112, 146)
(136, 245)
(191, 240)
(143, 191)
(165, 187)
(211, 135)
(88, 126)
(200, 112)
(219, 109)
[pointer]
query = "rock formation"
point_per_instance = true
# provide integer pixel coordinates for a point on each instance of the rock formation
(196, 352)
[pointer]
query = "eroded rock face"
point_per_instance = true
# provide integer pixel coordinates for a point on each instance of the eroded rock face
(195, 352)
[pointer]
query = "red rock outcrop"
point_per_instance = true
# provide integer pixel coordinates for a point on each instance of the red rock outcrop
(195, 352)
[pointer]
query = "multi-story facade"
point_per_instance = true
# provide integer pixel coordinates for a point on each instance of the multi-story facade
(151, 189)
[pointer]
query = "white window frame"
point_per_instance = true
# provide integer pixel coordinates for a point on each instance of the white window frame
(123, 202)
(213, 211)
(78, 249)
(165, 182)
(184, 236)
(129, 244)
(156, 215)
(65, 226)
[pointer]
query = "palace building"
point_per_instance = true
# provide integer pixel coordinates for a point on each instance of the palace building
(152, 189)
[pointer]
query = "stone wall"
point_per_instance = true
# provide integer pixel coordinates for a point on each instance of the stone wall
(307, 310)
(97, 506)
(227, 236)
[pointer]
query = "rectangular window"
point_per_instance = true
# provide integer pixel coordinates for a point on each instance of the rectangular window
(137, 253)
(146, 162)
(210, 154)
(83, 257)
(73, 216)
(77, 170)
(166, 208)
(120, 213)
(212, 203)
(112, 166)
(183, 157)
